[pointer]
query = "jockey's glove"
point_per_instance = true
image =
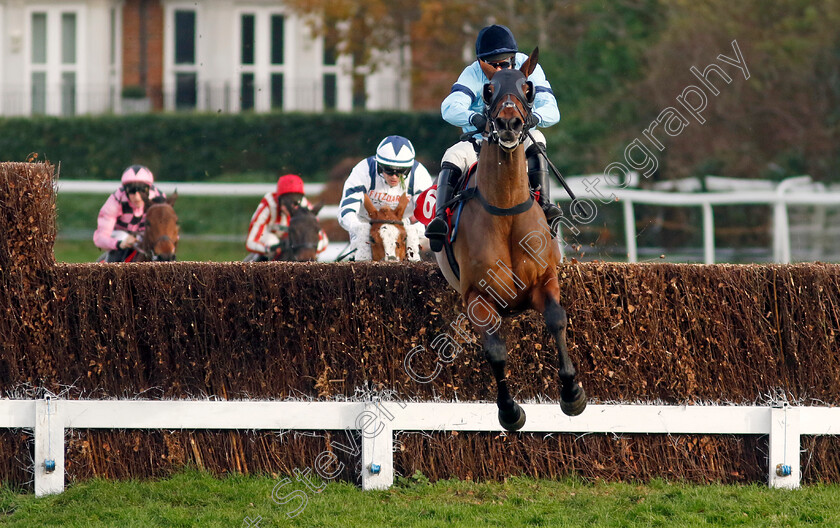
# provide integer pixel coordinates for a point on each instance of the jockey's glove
(478, 121)
(532, 121)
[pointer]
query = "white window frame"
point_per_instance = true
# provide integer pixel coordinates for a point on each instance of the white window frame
(54, 67)
(262, 67)
(170, 68)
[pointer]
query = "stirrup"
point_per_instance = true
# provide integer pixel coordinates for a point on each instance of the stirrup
(436, 232)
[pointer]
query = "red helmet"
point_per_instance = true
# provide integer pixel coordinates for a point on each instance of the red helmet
(289, 183)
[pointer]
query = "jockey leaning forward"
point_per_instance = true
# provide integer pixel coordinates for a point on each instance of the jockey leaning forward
(384, 177)
(121, 219)
(270, 222)
(464, 107)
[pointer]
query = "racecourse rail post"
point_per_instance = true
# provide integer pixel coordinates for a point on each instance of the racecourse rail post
(377, 448)
(49, 446)
(783, 456)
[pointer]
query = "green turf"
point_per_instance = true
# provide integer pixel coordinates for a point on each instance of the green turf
(196, 499)
(189, 249)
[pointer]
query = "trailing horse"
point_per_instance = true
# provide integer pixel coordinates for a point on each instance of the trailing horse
(160, 238)
(506, 258)
(392, 237)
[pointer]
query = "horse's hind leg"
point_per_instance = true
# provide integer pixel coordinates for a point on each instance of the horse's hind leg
(511, 415)
(572, 395)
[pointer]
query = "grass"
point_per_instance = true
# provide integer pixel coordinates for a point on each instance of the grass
(213, 229)
(194, 498)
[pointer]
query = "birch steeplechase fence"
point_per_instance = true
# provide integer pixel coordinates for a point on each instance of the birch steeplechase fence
(702, 373)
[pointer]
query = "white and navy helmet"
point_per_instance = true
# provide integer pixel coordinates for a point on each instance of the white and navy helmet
(395, 151)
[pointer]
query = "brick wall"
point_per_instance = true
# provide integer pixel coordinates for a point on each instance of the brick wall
(143, 47)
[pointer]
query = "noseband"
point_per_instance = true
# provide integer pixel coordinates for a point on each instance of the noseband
(150, 252)
(506, 86)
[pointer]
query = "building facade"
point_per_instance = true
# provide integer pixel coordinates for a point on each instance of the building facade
(71, 57)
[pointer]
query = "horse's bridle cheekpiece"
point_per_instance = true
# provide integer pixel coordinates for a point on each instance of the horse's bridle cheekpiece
(504, 84)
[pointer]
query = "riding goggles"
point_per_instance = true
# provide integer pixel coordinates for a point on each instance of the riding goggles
(395, 171)
(131, 188)
(505, 64)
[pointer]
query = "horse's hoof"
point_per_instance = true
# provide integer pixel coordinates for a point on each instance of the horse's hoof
(512, 420)
(574, 405)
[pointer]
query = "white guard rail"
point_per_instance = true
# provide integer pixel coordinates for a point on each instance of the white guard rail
(783, 195)
(377, 421)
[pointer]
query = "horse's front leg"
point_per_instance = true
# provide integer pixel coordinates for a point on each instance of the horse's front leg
(511, 415)
(572, 395)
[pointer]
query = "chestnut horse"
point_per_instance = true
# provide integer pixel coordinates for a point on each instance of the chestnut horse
(160, 237)
(391, 236)
(504, 251)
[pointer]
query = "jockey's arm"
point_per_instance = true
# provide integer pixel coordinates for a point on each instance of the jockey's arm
(455, 109)
(464, 98)
(545, 104)
(257, 228)
(355, 187)
(105, 223)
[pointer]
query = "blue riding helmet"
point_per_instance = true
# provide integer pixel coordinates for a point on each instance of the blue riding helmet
(495, 42)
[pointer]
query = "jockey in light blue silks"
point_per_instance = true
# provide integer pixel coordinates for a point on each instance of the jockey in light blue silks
(464, 107)
(384, 177)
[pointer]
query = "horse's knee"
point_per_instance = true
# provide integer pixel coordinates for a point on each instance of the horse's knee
(555, 317)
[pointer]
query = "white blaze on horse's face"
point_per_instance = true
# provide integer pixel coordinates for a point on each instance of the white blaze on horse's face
(390, 236)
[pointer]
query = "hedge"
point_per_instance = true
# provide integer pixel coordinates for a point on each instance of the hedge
(679, 334)
(193, 147)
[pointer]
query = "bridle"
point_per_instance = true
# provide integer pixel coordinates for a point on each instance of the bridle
(497, 96)
(150, 252)
(286, 245)
(501, 89)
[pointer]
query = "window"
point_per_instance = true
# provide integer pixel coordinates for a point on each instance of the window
(182, 58)
(53, 61)
(247, 39)
(277, 22)
(261, 65)
(184, 37)
(246, 94)
(330, 91)
(277, 91)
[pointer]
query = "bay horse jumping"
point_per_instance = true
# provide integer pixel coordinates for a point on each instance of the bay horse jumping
(505, 254)
(391, 236)
(160, 236)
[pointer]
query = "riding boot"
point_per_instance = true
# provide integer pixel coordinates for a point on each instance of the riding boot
(538, 179)
(438, 228)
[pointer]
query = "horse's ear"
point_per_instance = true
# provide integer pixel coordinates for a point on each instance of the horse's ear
(318, 207)
(172, 197)
(488, 70)
(402, 205)
(371, 210)
(531, 64)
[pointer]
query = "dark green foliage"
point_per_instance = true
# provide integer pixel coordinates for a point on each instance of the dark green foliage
(192, 147)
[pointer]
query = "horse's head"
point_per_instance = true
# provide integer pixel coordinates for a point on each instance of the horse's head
(388, 238)
(160, 237)
(304, 234)
(509, 97)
